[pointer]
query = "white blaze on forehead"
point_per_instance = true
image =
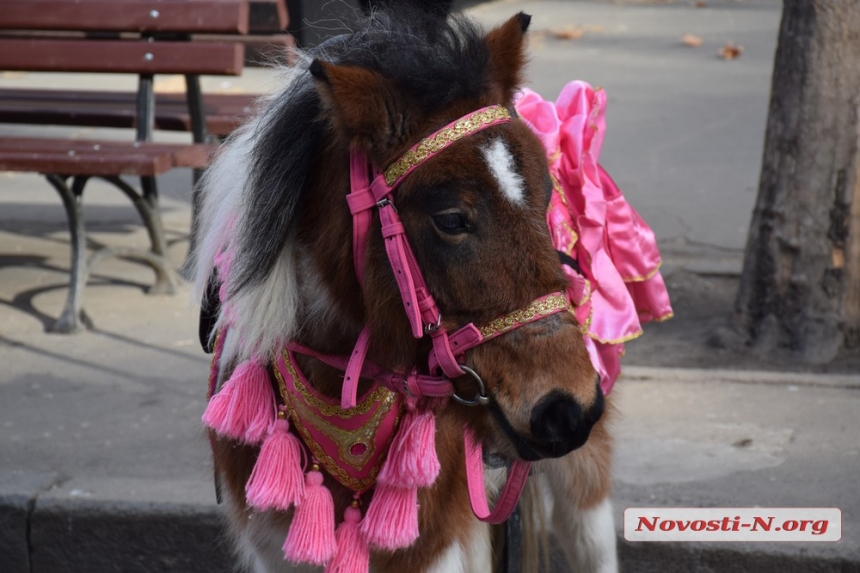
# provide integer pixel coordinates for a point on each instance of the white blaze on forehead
(502, 166)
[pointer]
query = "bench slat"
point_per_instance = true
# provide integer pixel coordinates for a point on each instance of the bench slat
(91, 164)
(224, 112)
(204, 16)
(210, 58)
(91, 157)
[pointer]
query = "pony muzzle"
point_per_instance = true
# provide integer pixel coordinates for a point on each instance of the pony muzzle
(558, 424)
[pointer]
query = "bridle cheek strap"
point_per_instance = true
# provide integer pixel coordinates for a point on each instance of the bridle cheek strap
(360, 201)
(409, 278)
(417, 302)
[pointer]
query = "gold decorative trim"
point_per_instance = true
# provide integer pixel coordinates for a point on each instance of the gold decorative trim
(643, 278)
(662, 318)
(329, 463)
(621, 340)
(443, 138)
(332, 409)
(574, 239)
(587, 296)
(559, 190)
(584, 328)
(536, 309)
(342, 438)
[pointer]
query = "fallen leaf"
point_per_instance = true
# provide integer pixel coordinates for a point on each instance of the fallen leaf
(691, 40)
(568, 33)
(700, 4)
(730, 51)
(592, 29)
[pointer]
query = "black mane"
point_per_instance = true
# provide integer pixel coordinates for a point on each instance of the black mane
(435, 60)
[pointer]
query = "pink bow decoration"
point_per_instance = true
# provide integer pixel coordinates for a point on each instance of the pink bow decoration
(619, 286)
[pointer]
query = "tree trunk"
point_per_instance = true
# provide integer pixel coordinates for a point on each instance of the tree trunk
(800, 286)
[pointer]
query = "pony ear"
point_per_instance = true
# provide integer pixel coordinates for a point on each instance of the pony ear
(363, 104)
(507, 53)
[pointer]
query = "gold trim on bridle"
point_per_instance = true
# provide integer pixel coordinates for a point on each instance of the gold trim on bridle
(435, 143)
(535, 310)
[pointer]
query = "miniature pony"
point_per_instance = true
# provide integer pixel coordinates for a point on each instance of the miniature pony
(385, 284)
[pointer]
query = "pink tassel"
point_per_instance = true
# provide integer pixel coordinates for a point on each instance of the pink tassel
(353, 555)
(245, 406)
(392, 518)
(276, 482)
(311, 537)
(412, 460)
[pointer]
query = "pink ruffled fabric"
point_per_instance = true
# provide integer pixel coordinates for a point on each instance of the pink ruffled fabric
(620, 286)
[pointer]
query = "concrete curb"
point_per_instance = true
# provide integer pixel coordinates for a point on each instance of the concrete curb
(59, 530)
(112, 525)
(97, 537)
(645, 373)
(716, 558)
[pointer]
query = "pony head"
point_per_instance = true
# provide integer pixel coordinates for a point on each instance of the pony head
(474, 214)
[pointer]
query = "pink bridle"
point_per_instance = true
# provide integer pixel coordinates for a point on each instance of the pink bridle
(371, 189)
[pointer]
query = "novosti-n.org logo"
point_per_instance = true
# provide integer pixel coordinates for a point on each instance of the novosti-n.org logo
(732, 524)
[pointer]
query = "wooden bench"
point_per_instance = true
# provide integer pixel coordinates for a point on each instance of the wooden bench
(267, 20)
(116, 36)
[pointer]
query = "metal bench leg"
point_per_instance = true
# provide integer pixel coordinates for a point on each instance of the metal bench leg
(73, 318)
(146, 204)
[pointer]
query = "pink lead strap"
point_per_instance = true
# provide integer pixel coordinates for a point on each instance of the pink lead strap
(510, 495)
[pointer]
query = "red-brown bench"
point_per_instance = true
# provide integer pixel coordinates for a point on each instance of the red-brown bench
(263, 37)
(116, 36)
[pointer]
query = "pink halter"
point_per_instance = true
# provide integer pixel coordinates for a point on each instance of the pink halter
(369, 189)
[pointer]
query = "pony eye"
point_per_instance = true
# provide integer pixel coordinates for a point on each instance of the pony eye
(452, 223)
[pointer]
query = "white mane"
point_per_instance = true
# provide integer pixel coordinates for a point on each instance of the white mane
(261, 316)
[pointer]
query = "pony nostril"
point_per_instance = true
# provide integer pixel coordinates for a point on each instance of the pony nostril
(556, 419)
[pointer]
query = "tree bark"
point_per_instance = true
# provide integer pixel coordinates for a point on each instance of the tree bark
(800, 286)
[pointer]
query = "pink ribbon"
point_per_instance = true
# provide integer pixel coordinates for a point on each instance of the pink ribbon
(619, 286)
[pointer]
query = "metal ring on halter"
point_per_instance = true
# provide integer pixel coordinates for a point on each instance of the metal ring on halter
(481, 398)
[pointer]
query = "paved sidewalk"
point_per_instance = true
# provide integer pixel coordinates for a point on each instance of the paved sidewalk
(103, 461)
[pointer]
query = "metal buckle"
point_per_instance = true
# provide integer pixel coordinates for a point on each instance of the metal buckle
(481, 398)
(428, 328)
(386, 202)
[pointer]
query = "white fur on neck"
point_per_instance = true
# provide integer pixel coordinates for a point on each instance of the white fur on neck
(588, 534)
(473, 555)
(502, 166)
